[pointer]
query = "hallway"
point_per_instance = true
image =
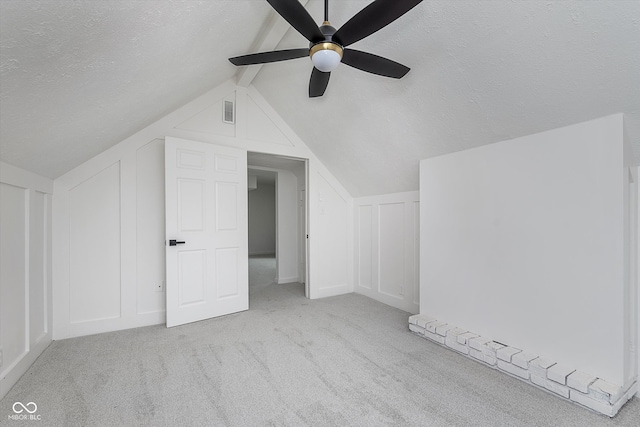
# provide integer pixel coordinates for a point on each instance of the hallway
(262, 278)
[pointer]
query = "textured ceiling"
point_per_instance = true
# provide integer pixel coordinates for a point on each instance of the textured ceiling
(79, 76)
(481, 72)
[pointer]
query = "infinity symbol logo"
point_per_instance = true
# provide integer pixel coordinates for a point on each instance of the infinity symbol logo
(23, 407)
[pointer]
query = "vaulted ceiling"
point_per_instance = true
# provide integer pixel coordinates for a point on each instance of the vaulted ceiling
(77, 77)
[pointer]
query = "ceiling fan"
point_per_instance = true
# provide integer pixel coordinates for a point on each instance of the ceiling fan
(327, 46)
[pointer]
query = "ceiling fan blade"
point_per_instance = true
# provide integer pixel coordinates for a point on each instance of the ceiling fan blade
(295, 14)
(373, 64)
(274, 56)
(377, 15)
(318, 83)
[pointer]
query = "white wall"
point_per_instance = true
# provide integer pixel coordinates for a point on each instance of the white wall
(108, 214)
(25, 271)
(262, 220)
(287, 227)
(522, 242)
(331, 238)
(387, 249)
(636, 272)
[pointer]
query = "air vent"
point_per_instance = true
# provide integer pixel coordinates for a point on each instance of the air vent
(227, 112)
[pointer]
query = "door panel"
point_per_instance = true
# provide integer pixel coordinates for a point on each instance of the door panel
(191, 277)
(190, 204)
(206, 208)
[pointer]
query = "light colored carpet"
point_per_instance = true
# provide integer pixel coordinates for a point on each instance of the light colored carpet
(288, 361)
(262, 270)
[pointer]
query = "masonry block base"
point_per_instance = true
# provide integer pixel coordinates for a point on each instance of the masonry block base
(563, 381)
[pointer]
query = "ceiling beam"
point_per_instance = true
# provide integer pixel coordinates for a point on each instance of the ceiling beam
(268, 39)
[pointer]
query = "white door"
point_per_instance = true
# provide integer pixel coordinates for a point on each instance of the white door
(206, 230)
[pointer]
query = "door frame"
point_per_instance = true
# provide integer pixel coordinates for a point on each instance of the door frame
(302, 239)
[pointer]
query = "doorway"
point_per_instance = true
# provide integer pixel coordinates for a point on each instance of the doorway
(262, 227)
(277, 220)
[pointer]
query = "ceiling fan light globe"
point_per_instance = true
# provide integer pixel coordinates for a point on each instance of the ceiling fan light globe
(326, 60)
(326, 56)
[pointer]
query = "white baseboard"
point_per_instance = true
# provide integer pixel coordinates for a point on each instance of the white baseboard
(11, 378)
(400, 303)
(110, 325)
(330, 292)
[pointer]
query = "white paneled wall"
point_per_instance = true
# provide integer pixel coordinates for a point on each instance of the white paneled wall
(25, 271)
(94, 247)
(109, 217)
(109, 235)
(387, 249)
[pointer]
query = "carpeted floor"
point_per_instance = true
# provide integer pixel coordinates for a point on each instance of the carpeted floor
(262, 270)
(288, 361)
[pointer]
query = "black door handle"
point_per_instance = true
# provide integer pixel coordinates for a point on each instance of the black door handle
(175, 242)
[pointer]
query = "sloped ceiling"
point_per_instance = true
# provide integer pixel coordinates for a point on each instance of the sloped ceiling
(79, 76)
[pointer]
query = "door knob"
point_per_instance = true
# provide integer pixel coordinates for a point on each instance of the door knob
(175, 242)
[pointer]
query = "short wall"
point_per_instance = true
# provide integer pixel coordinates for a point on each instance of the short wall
(387, 249)
(25, 271)
(524, 242)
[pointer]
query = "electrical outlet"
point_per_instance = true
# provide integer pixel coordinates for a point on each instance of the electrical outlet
(160, 287)
(0, 356)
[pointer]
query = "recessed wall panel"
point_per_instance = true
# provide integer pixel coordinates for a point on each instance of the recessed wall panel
(94, 247)
(12, 273)
(192, 276)
(391, 249)
(227, 272)
(191, 204)
(416, 253)
(263, 127)
(37, 266)
(226, 206)
(365, 248)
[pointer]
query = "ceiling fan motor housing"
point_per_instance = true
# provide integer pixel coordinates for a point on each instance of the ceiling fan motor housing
(326, 54)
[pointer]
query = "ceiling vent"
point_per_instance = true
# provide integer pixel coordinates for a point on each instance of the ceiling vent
(228, 115)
